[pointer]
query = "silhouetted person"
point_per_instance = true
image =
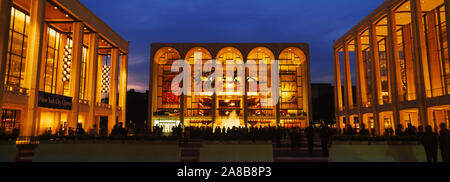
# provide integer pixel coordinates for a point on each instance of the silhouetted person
(80, 131)
(278, 137)
(444, 142)
(71, 132)
(348, 130)
(399, 130)
(93, 130)
(61, 130)
(309, 131)
(115, 130)
(364, 131)
(429, 141)
(420, 132)
(411, 130)
(325, 136)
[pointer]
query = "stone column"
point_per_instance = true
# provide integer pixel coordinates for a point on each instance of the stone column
(32, 71)
(410, 67)
(112, 119)
(348, 90)
(447, 18)
(337, 87)
(153, 92)
(394, 64)
(77, 56)
(123, 86)
(307, 82)
(5, 18)
(246, 96)
(98, 90)
(420, 59)
(375, 71)
(92, 79)
(359, 86)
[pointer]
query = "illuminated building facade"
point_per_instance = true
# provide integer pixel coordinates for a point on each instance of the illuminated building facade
(59, 63)
(221, 107)
(398, 59)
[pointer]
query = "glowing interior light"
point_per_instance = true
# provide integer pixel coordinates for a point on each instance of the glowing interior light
(105, 78)
(67, 61)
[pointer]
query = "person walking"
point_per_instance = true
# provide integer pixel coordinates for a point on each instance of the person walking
(309, 131)
(325, 137)
(444, 142)
(429, 141)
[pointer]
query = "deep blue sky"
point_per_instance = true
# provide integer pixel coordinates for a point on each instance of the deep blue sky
(317, 22)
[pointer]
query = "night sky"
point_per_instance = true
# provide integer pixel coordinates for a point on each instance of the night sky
(317, 22)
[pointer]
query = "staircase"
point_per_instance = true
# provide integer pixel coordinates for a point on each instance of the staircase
(190, 151)
(286, 153)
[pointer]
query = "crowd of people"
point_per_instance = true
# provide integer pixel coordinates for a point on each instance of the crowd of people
(277, 134)
(430, 140)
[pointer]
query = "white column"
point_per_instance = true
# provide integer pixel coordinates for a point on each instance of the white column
(92, 79)
(123, 86)
(5, 18)
(77, 47)
(112, 120)
(375, 71)
(32, 71)
(420, 59)
(394, 64)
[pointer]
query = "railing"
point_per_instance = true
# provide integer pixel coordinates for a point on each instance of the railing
(435, 92)
(15, 90)
(81, 101)
(408, 96)
(98, 104)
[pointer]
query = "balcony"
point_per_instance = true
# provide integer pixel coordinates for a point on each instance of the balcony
(15, 90)
(102, 105)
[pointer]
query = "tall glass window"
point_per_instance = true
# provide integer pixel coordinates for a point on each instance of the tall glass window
(51, 61)
(16, 57)
(254, 99)
(366, 62)
(443, 46)
(291, 83)
(168, 103)
(199, 104)
(83, 73)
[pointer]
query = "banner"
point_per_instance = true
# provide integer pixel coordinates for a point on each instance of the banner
(54, 101)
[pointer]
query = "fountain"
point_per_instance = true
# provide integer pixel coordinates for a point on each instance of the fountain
(231, 121)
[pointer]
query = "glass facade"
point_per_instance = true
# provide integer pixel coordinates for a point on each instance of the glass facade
(420, 62)
(17, 48)
(231, 105)
(52, 60)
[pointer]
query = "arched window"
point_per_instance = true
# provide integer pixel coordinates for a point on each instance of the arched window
(255, 100)
(230, 104)
(292, 86)
(168, 104)
(198, 104)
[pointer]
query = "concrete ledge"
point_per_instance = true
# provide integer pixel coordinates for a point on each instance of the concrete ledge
(107, 153)
(379, 152)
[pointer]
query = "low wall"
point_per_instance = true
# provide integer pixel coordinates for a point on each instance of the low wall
(237, 152)
(7, 151)
(378, 152)
(108, 152)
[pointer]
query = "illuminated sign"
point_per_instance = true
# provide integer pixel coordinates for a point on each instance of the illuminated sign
(54, 101)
